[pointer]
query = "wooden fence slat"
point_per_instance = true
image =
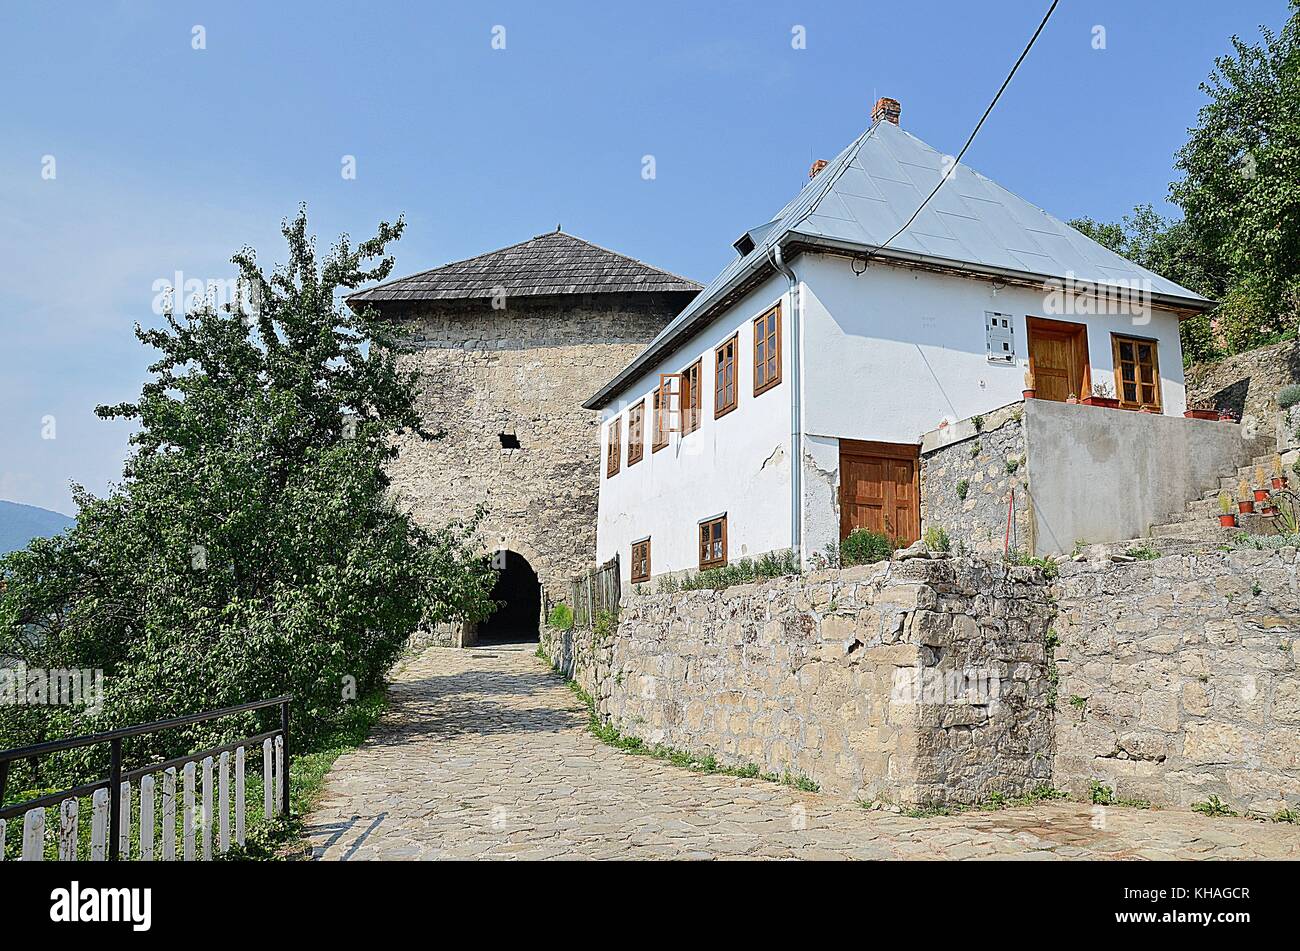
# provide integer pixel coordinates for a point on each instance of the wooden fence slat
(205, 819)
(279, 773)
(34, 835)
(268, 784)
(169, 815)
(98, 825)
(68, 830)
(223, 803)
(187, 815)
(124, 828)
(146, 818)
(240, 795)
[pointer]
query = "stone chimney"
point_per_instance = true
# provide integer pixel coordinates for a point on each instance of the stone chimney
(887, 109)
(817, 166)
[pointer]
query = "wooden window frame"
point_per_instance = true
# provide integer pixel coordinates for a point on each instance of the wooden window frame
(636, 433)
(614, 446)
(720, 406)
(639, 577)
(761, 355)
(691, 397)
(1115, 341)
(703, 542)
(659, 434)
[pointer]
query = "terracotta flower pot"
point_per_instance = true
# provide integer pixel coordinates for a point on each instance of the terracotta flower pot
(1228, 521)
(1269, 510)
(1246, 506)
(1072, 399)
(1261, 495)
(1150, 410)
(1029, 394)
(1225, 416)
(1105, 402)
(1201, 414)
(1279, 482)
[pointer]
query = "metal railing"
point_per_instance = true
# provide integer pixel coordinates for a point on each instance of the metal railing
(118, 782)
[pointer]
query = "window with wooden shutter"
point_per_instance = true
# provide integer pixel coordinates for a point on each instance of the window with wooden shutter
(1137, 372)
(767, 350)
(615, 446)
(641, 561)
(713, 542)
(691, 397)
(659, 435)
(724, 377)
(636, 433)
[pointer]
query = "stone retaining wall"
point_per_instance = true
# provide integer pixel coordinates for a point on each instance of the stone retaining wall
(1179, 679)
(923, 680)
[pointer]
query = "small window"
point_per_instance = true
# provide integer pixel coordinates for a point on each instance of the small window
(713, 542)
(636, 433)
(615, 447)
(691, 397)
(1137, 372)
(724, 378)
(641, 561)
(767, 350)
(509, 441)
(660, 422)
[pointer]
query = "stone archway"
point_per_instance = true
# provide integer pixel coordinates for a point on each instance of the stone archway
(520, 616)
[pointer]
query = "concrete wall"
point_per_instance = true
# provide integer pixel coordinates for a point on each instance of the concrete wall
(1103, 475)
(1179, 679)
(917, 681)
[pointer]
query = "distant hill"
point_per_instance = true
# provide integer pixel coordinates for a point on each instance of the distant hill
(19, 524)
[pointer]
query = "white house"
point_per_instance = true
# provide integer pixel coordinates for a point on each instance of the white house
(836, 334)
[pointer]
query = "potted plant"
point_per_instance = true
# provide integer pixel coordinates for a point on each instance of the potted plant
(1101, 395)
(1226, 416)
(1270, 506)
(1261, 493)
(1072, 399)
(1201, 411)
(1029, 392)
(1226, 517)
(1245, 502)
(1278, 477)
(1148, 408)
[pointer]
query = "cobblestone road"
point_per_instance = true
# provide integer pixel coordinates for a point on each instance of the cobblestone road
(485, 754)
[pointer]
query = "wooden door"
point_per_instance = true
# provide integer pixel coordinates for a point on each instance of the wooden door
(878, 489)
(1058, 358)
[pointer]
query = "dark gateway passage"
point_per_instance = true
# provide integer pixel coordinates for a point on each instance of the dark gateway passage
(520, 616)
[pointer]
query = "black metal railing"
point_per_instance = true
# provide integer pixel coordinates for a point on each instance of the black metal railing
(113, 782)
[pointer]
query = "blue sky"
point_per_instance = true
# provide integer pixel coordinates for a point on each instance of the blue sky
(168, 158)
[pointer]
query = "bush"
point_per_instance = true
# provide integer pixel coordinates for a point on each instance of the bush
(1288, 396)
(561, 617)
(936, 539)
(862, 547)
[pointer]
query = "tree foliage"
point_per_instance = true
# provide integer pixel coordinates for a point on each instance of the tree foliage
(1238, 241)
(252, 547)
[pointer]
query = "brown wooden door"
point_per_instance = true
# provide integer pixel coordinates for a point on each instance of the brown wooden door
(878, 489)
(1058, 358)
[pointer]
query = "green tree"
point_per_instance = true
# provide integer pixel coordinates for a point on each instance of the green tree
(1240, 190)
(252, 547)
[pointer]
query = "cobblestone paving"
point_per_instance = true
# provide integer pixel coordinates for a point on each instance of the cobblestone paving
(485, 754)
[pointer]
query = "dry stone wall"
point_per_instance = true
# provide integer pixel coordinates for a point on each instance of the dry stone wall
(1247, 384)
(523, 371)
(968, 478)
(1179, 679)
(924, 680)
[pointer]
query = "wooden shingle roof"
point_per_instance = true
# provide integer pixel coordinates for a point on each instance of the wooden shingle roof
(549, 264)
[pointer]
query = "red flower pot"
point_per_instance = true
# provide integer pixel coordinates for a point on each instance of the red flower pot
(1106, 402)
(1228, 521)
(1246, 507)
(1202, 414)
(1279, 482)
(1261, 495)
(1029, 394)
(1225, 416)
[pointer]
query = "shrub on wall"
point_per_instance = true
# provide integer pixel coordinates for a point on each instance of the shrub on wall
(561, 617)
(1288, 396)
(862, 547)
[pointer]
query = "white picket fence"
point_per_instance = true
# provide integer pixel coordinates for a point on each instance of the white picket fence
(194, 822)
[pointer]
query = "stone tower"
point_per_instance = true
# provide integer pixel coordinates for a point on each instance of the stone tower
(509, 345)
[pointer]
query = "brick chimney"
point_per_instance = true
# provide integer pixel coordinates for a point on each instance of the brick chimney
(817, 166)
(886, 108)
